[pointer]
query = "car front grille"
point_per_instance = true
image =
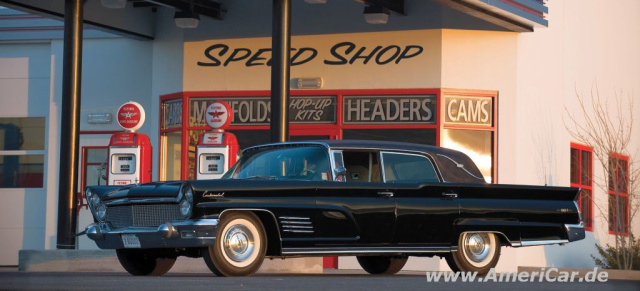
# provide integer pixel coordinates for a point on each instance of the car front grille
(151, 215)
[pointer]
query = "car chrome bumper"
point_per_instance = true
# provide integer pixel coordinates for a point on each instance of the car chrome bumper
(575, 231)
(182, 234)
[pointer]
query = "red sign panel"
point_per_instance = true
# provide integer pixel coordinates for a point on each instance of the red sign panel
(131, 116)
(218, 114)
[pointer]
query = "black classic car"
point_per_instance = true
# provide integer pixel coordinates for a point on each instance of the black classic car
(379, 201)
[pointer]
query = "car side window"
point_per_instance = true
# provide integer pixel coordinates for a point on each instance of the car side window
(362, 166)
(408, 168)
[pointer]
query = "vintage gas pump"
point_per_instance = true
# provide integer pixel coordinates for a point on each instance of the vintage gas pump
(130, 152)
(216, 150)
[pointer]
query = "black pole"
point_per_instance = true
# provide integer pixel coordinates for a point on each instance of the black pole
(281, 47)
(69, 138)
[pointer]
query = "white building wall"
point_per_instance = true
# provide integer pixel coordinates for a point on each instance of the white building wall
(588, 44)
(25, 77)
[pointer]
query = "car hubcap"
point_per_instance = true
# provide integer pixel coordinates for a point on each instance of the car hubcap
(477, 246)
(238, 243)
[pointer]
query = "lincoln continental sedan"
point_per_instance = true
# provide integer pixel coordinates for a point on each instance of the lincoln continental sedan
(379, 201)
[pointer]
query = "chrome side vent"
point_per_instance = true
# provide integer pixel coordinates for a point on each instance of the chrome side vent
(296, 224)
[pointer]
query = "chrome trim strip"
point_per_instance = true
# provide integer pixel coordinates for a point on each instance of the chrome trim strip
(568, 226)
(297, 226)
(128, 230)
(124, 201)
(528, 243)
(295, 222)
(364, 250)
(294, 218)
(297, 230)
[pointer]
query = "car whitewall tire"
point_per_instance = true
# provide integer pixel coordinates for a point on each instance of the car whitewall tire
(477, 252)
(240, 245)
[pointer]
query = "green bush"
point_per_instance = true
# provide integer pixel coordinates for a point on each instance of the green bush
(610, 256)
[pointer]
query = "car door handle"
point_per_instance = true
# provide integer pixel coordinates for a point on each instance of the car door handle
(385, 194)
(449, 195)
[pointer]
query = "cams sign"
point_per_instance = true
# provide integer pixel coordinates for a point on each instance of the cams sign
(389, 109)
(467, 110)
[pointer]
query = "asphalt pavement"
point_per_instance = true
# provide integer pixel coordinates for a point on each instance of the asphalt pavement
(336, 280)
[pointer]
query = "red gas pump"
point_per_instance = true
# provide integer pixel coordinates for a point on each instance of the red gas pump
(216, 150)
(130, 152)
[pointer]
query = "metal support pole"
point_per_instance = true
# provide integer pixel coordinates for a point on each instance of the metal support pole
(281, 48)
(69, 138)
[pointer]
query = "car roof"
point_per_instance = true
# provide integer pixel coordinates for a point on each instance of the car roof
(365, 144)
(454, 166)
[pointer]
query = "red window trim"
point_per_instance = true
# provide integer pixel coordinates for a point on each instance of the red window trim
(584, 148)
(622, 157)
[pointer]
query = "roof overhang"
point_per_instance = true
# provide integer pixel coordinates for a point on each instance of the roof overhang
(515, 15)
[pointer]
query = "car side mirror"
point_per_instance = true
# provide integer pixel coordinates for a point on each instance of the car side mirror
(341, 173)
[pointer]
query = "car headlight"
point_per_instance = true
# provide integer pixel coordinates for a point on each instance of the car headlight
(185, 208)
(101, 211)
(94, 200)
(87, 194)
(189, 194)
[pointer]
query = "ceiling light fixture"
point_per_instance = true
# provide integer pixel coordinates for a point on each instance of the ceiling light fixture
(187, 18)
(376, 14)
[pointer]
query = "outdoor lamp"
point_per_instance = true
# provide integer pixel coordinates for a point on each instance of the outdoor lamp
(186, 19)
(376, 15)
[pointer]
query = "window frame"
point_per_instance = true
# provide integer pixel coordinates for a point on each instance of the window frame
(42, 152)
(383, 166)
(619, 157)
(583, 148)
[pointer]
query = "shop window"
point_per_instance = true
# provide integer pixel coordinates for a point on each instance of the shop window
(249, 138)
(22, 152)
(581, 177)
(420, 136)
(477, 144)
(171, 155)
(406, 168)
(618, 178)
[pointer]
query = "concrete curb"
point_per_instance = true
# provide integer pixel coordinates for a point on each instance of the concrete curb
(613, 274)
(106, 261)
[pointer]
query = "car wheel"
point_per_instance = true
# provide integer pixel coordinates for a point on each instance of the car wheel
(240, 246)
(144, 263)
(477, 252)
(381, 264)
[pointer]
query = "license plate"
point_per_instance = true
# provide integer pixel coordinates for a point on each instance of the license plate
(131, 241)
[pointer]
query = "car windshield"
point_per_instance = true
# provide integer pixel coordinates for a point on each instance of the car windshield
(309, 163)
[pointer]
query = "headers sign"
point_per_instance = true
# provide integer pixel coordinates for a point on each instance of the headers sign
(257, 110)
(408, 109)
(468, 110)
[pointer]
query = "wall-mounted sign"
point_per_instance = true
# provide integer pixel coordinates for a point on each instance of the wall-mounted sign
(131, 116)
(218, 114)
(407, 109)
(343, 53)
(257, 110)
(468, 110)
(172, 114)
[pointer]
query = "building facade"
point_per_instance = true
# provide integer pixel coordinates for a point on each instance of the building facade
(435, 76)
